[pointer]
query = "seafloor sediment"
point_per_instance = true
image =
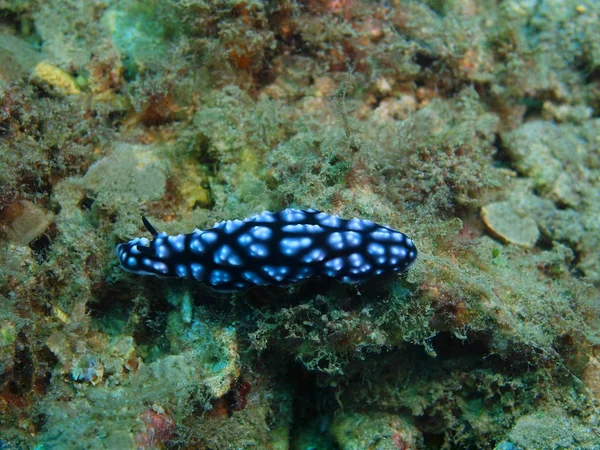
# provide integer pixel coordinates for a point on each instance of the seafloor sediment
(471, 125)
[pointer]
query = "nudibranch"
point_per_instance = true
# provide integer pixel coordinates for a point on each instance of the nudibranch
(272, 249)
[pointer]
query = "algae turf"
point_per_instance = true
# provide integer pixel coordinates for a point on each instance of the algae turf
(471, 126)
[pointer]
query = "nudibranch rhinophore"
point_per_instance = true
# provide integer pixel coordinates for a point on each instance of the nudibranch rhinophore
(272, 249)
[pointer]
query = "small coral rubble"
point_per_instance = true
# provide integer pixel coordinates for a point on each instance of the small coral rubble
(563, 162)
(160, 428)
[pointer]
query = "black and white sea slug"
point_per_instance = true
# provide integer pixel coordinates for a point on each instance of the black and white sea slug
(272, 249)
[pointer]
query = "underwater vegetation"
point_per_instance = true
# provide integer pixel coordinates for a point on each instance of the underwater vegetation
(471, 125)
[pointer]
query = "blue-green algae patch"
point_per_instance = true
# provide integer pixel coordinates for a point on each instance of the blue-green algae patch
(138, 34)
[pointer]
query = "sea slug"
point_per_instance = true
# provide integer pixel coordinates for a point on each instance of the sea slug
(272, 249)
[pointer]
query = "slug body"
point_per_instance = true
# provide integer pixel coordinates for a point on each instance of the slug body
(272, 249)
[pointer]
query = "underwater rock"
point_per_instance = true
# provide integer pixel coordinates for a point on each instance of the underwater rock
(95, 357)
(381, 431)
(8, 338)
(138, 36)
(563, 163)
(509, 225)
(566, 113)
(555, 158)
(133, 173)
(547, 429)
(209, 354)
(395, 109)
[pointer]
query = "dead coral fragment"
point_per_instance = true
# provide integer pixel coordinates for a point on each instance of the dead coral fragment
(509, 226)
(160, 427)
(591, 377)
(87, 369)
(27, 222)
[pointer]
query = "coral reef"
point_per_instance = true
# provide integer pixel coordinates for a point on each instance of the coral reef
(471, 125)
